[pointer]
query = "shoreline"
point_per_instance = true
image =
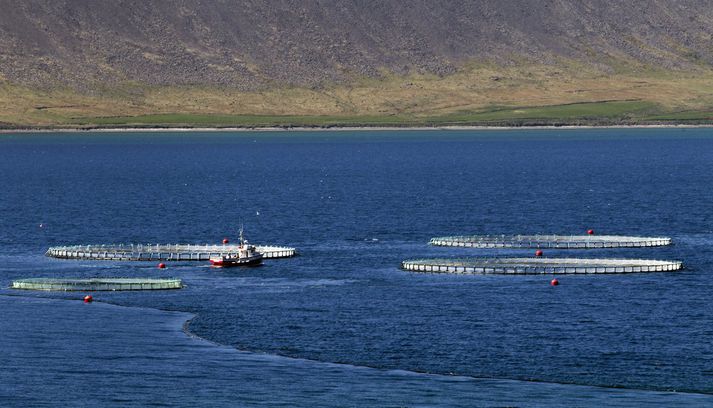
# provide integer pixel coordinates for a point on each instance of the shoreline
(341, 128)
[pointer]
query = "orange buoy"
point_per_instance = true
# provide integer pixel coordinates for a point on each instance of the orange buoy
(554, 282)
(538, 252)
(590, 232)
(161, 265)
(88, 299)
(226, 240)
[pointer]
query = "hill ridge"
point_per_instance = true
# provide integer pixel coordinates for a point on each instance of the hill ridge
(254, 44)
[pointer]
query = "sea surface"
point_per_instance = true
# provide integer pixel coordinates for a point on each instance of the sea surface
(341, 324)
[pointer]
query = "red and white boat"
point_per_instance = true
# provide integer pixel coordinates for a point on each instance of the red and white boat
(246, 255)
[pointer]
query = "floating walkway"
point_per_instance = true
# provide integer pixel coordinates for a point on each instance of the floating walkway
(96, 284)
(538, 266)
(158, 252)
(550, 241)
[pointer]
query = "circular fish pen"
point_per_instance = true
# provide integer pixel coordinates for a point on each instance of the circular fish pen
(539, 266)
(550, 241)
(160, 252)
(96, 284)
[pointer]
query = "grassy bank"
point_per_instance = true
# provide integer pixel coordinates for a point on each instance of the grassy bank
(587, 113)
(476, 96)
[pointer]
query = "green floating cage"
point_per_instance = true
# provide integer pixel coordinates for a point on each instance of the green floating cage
(96, 284)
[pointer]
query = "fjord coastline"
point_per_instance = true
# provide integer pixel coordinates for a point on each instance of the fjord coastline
(159, 129)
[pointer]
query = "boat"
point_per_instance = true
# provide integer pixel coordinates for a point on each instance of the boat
(246, 255)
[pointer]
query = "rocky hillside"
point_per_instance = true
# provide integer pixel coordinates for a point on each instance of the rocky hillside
(258, 44)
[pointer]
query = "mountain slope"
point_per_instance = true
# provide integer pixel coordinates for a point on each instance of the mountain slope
(124, 50)
(251, 43)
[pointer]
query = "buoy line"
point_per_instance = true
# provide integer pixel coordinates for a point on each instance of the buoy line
(531, 266)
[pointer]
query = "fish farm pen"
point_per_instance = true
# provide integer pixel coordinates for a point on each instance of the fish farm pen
(538, 266)
(550, 241)
(96, 284)
(159, 252)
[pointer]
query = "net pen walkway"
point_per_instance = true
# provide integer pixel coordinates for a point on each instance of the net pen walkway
(539, 266)
(96, 284)
(160, 252)
(550, 241)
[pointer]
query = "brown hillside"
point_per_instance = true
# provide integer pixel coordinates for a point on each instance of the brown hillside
(252, 43)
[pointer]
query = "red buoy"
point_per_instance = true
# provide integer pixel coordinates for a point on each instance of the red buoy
(554, 282)
(590, 232)
(88, 299)
(161, 265)
(225, 240)
(538, 252)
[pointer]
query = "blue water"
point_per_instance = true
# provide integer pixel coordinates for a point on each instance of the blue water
(341, 324)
